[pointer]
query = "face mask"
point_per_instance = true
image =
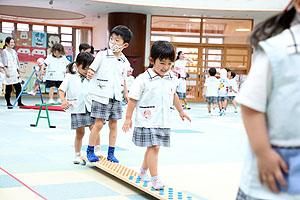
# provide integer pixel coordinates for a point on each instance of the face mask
(115, 48)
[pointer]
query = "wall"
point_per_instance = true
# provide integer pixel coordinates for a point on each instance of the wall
(100, 32)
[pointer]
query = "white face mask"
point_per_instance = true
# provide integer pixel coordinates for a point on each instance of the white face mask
(115, 48)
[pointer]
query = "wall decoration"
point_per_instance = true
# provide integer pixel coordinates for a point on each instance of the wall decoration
(23, 38)
(30, 54)
(39, 39)
(69, 52)
(52, 39)
(3, 36)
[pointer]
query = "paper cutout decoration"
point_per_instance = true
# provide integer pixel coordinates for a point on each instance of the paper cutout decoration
(26, 69)
(30, 54)
(69, 58)
(3, 36)
(39, 39)
(23, 38)
(52, 39)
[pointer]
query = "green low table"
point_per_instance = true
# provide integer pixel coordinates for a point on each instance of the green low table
(47, 113)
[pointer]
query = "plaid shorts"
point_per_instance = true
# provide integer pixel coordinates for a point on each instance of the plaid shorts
(231, 98)
(147, 137)
(181, 95)
(242, 196)
(222, 98)
(212, 99)
(110, 111)
(81, 120)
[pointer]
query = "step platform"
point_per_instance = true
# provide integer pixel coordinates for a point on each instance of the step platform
(131, 177)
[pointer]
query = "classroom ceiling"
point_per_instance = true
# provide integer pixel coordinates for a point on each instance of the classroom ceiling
(92, 11)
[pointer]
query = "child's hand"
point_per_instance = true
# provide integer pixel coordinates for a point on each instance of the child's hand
(203, 95)
(65, 105)
(90, 74)
(7, 75)
(127, 125)
(270, 169)
(183, 115)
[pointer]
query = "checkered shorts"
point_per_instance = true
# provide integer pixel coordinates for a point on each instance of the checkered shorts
(242, 196)
(181, 95)
(147, 137)
(231, 98)
(81, 120)
(110, 111)
(222, 98)
(211, 99)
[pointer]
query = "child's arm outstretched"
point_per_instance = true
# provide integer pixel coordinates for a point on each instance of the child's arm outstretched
(270, 164)
(178, 107)
(125, 92)
(128, 122)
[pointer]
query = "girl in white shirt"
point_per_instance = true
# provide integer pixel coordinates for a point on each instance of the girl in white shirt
(270, 102)
(74, 99)
(153, 94)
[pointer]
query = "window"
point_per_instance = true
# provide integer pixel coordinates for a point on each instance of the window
(38, 28)
(52, 29)
(22, 27)
(67, 38)
(66, 30)
(7, 27)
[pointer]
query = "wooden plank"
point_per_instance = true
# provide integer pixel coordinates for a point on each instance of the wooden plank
(131, 177)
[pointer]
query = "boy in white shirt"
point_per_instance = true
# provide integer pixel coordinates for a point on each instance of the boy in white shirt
(234, 90)
(224, 87)
(107, 74)
(210, 90)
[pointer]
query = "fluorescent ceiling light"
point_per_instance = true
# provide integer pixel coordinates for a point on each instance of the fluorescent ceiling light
(196, 20)
(242, 29)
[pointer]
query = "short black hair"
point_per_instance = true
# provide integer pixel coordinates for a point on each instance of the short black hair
(83, 58)
(212, 71)
(162, 50)
(84, 46)
(123, 31)
(227, 69)
(233, 74)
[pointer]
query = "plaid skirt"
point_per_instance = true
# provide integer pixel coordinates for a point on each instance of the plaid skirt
(148, 137)
(110, 111)
(222, 98)
(242, 196)
(212, 99)
(231, 98)
(181, 95)
(81, 120)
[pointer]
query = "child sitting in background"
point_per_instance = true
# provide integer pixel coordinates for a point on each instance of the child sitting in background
(39, 78)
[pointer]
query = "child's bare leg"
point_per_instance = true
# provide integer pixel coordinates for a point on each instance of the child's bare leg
(92, 140)
(214, 106)
(36, 87)
(78, 139)
(112, 140)
(234, 104)
(220, 105)
(152, 159)
(208, 107)
(145, 162)
(98, 138)
(51, 92)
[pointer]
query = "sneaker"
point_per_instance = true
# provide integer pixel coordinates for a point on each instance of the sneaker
(51, 101)
(156, 183)
(235, 111)
(98, 150)
(21, 104)
(222, 112)
(77, 158)
(32, 92)
(144, 176)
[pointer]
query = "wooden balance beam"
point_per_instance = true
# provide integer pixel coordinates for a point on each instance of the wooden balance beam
(131, 177)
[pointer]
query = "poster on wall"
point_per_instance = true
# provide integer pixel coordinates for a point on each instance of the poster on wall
(3, 36)
(30, 54)
(52, 39)
(69, 52)
(39, 39)
(23, 38)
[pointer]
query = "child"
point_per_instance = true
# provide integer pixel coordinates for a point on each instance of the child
(233, 91)
(73, 95)
(179, 68)
(108, 74)
(153, 94)
(210, 90)
(224, 87)
(270, 103)
(129, 78)
(39, 78)
(84, 47)
(2, 75)
(56, 69)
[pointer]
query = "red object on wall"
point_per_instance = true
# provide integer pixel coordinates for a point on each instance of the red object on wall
(30, 54)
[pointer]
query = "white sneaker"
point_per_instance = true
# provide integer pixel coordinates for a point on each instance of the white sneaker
(32, 92)
(51, 101)
(77, 158)
(97, 150)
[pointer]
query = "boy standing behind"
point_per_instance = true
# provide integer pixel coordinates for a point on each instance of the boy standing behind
(234, 90)
(210, 90)
(107, 74)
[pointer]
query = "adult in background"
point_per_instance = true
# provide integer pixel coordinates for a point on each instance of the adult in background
(12, 74)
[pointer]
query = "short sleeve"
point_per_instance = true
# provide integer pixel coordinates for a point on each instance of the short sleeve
(97, 61)
(48, 59)
(64, 85)
(137, 88)
(205, 83)
(257, 87)
(4, 58)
